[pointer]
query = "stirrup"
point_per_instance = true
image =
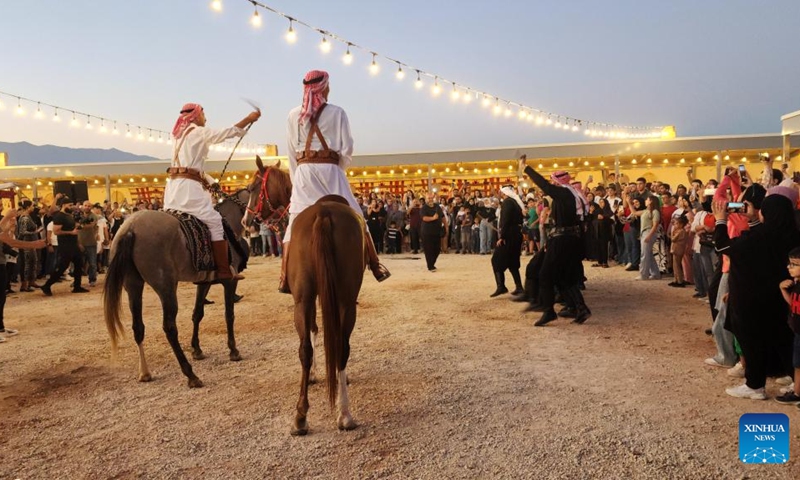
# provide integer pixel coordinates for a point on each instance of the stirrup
(380, 272)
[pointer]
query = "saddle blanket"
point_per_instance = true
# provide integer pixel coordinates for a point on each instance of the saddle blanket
(198, 240)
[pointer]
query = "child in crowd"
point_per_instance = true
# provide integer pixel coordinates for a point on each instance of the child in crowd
(791, 293)
(466, 231)
(394, 237)
(476, 234)
(678, 250)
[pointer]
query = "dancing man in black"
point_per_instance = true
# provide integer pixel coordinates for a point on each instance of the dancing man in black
(509, 244)
(561, 266)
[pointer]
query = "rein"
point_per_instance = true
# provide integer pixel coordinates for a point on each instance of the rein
(263, 200)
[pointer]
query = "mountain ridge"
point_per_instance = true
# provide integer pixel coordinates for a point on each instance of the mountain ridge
(25, 154)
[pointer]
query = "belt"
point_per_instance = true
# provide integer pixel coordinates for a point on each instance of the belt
(318, 157)
(190, 173)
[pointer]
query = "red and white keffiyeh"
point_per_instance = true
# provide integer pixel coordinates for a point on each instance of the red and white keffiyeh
(189, 113)
(563, 178)
(314, 83)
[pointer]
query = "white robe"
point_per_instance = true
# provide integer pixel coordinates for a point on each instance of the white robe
(188, 195)
(310, 182)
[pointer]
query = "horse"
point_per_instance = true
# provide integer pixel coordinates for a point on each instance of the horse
(330, 265)
(150, 248)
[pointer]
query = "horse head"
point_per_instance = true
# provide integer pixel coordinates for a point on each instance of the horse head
(270, 189)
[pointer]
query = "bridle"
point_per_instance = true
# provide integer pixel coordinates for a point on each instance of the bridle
(263, 200)
(233, 198)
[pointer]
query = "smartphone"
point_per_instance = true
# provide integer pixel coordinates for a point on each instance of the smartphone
(742, 173)
(736, 207)
(709, 192)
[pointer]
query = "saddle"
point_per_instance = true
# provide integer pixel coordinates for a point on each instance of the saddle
(198, 241)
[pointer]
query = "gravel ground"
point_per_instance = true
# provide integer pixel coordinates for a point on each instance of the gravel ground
(445, 383)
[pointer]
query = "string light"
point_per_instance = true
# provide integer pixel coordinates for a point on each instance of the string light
(400, 73)
(418, 84)
(467, 96)
(88, 122)
(103, 128)
(325, 45)
(436, 88)
(38, 115)
(20, 111)
(291, 35)
(497, 110)
(374, 68)
(56, 118)
(348, 57)
(486, 101)
(454, 95)
(115, 131)
(255, 20)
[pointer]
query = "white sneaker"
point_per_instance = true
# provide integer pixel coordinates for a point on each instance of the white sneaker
(2, 339)
(783, 381)
(743, 391)
(737, 371)
(713, 362)
(9, 332)
(788, 388)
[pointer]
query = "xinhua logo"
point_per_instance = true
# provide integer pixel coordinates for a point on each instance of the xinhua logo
(764, 438)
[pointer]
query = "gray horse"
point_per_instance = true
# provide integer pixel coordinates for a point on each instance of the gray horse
(150, 248)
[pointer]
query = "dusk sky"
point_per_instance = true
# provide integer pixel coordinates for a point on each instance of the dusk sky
(711, 67)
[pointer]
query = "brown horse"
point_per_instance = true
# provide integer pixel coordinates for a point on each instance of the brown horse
(329, 264)
(150, 248)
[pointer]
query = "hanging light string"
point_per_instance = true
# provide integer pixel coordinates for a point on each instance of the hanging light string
(103, 125)
(459, 91)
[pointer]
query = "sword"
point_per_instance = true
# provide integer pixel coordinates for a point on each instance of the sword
(247, 129)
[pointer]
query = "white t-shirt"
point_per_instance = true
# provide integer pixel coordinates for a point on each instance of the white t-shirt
(53, 236)
(699, 219)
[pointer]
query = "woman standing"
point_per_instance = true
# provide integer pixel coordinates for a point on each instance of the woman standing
(7, 225)
(650, 219)
(604, 232)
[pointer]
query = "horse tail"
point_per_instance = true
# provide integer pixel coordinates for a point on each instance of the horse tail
(121, 264)
(325, 264)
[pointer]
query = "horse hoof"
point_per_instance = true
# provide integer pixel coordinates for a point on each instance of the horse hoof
(300, 428)
(198, 355)
(235, 357)
(195, 383)
(345, 422)
(146, 378)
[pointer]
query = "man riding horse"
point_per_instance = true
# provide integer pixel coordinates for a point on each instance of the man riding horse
(189, 187)
(320, 150)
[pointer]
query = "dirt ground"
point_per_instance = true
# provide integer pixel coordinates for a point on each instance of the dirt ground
(445, 383)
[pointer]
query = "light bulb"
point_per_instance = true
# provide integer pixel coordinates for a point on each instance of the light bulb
(255, 20)
(216, 5)
(115, 131)
(497, 110)
(436, 88)
(558, 123)
(56, 118)
(486, 101)
(522, 114)
(633, 162)
(467, 96)
(454, 95)
(325, 45)
(291, 35)
(103, 128)
(574, 128)
(400, 73)
(418, 84)
(549, 121)
(88, 123)
(20, 111)
(508, 111)
(374, 68)
(38, 115)
(539, 120)
(128, 133)
(348, 57)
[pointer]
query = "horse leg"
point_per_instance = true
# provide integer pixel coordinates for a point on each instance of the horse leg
(169, 303)
(230, 291)
(345, 419)
(134, 286)
(312, 376)
(303, 311)
(197, 316)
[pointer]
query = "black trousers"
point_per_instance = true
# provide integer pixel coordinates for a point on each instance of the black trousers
(602, 251)
(431, 245)
(3, 281)
(561, 267)
(67, 254)
(414, 239)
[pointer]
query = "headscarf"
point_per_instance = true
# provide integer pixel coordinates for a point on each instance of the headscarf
(189, 113)
(754, 194)
(314, 83)
(509, 192)
(564, 179)
(780, 228)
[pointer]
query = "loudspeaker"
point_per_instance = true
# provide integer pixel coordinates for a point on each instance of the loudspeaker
(78, 191)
